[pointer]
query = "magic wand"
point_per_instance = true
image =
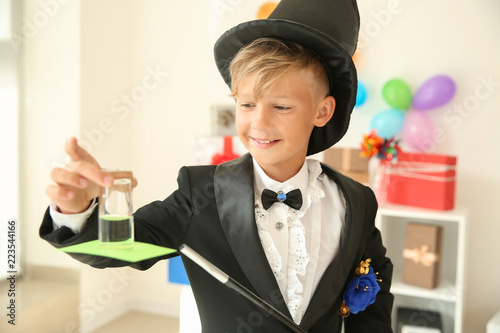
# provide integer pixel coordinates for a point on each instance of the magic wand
(235, 285)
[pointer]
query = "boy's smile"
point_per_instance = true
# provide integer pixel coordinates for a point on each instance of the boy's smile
(264, 144)
(275, 127)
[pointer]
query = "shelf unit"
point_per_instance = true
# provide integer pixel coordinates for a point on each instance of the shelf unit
(448, 297)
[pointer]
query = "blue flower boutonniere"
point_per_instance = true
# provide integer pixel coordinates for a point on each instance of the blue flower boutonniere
(361, 291)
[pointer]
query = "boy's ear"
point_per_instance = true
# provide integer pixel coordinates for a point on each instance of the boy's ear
(325, 112)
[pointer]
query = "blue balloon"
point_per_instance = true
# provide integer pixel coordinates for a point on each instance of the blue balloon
(361, 95)
(388, 123)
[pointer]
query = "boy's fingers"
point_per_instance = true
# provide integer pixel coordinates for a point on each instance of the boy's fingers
(71, 149)
(63, 176)
(64, 198)
(83, 164)
(76, 152)
(59, 193)
(90, 171)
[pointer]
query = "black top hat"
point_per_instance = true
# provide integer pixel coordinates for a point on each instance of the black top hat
(329, 28)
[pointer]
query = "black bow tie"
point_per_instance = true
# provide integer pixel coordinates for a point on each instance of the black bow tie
(292, 198)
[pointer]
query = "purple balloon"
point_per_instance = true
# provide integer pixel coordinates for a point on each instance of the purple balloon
(435, 92)
(418, 131)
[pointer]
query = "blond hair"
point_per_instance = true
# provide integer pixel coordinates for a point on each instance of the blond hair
(271, 59)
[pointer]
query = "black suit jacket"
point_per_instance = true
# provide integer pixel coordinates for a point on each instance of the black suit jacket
(213, 212)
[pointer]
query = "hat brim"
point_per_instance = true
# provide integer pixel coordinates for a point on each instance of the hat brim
(335, 58)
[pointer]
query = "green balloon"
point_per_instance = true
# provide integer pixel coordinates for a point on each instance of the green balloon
(397, 94)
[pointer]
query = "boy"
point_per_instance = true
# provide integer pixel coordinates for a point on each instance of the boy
(288, 228)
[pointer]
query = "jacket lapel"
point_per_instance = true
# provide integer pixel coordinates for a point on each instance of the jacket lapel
(234, 192)
(333, 282)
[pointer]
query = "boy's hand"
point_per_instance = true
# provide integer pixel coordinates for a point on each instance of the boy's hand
(79, 181)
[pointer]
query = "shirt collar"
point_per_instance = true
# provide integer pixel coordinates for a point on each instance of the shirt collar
(262, 181)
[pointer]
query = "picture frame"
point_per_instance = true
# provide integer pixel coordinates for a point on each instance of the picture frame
(223, 118)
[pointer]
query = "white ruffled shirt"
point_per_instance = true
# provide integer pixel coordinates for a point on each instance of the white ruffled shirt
(300, 244)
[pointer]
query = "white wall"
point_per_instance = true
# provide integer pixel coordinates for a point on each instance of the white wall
(50, 112)
(88, 54)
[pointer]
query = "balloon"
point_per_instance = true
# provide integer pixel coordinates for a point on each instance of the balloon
(361, 95)
(388, 123)
(434, 93)
(418, 131)
(266, 9)
(397, 94)
(355, 57)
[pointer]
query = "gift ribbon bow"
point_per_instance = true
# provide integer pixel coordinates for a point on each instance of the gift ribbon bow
(421, 255)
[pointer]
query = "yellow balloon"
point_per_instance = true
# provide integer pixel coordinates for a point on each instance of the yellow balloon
(265, 10)
(355, 57)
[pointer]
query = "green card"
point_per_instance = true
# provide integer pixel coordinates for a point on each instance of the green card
(138, 252)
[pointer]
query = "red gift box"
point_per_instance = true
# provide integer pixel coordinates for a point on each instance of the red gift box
(421, 180)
